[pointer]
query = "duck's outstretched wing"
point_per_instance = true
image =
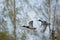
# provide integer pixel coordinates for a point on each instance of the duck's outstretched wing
(44, 28)
(31, 24)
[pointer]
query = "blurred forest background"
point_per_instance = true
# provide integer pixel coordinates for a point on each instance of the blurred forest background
(16, 13)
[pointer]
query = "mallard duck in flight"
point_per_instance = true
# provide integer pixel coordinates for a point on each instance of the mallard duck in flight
(30, 25)
(44, 24)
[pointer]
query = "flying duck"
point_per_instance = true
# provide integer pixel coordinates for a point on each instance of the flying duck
(30, 25)
(44, 24)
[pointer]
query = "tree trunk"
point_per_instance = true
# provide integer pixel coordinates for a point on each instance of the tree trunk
(14, 22)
